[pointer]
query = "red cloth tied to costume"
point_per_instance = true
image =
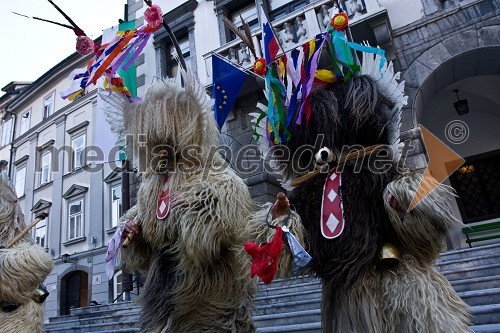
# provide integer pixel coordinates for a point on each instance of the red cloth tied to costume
(265, 257)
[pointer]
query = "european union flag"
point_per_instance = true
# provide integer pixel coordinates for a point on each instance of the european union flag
(227, 81)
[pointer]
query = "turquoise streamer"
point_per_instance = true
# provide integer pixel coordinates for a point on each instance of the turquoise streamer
(341, 47)
(369, 49)
(271, 107)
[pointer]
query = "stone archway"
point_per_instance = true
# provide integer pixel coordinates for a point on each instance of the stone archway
(455, 46)
(420, 71)
(74, 291)
(78, 281)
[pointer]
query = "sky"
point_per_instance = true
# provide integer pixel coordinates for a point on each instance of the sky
(29, 48)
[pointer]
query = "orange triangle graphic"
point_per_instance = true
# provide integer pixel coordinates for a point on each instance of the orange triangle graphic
(443, 161)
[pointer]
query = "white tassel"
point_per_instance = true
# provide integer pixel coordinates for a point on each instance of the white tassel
(387, 81)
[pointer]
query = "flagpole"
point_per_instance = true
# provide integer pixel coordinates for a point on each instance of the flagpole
(172, 38)
(348, 35)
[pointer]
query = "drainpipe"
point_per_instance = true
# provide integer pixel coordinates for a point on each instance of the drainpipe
(12, 138)
(127, 279)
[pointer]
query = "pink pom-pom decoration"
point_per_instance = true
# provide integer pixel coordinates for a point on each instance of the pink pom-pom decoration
(84, 45)
(153, 16)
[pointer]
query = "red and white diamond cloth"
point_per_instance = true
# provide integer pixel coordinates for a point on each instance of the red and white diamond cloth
(332, 212)
(163, 206)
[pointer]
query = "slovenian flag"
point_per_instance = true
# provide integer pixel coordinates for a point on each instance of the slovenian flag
(269, 41)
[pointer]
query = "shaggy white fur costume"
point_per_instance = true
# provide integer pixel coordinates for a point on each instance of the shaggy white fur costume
(22, 268)
(198, 273)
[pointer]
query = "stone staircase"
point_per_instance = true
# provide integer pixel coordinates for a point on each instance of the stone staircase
(294, 306)
(475, 274)
(120, 317)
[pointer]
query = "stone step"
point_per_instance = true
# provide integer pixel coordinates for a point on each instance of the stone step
(476, 251)
(107, 327)
(490, 328)
(63, 328)
(295, 280)
(483, 282)
(485, 314)
(108, 312)
(306, 328)
(99, 308)
(59, 323)
(481, 297)
(290, 318)
(473, 261)
(288, 297)
(284, 287)
(298, 304)
(112, 319)
(121, 330)
(472, 272)
(78, 329)
(66, 318)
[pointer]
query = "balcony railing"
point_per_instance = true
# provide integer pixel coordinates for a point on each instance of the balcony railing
(292, 30)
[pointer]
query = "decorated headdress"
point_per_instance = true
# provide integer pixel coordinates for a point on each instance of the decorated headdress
(326, 59)
(118, 54)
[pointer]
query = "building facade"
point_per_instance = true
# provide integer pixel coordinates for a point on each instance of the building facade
(439, 46)
(63, 158)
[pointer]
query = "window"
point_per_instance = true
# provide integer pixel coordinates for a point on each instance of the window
(117, 287)
(116, 204)
(20, 181)
(78, 145)
(477, 183)
(45, 170)
(25, 122)
(6, 132)
(173, 65)
(48, 106)
(75, 218)
(41, 233)
(280, 8)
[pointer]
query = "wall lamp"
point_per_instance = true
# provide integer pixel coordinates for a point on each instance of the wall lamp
(66, 258)
(461, 105)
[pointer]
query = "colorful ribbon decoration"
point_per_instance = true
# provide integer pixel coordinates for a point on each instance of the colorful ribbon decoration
(108, 59)
(290, 77)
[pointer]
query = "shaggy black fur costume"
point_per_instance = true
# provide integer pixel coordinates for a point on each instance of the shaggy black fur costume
(357, 295)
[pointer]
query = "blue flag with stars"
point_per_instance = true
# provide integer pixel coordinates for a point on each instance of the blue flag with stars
(227, 81)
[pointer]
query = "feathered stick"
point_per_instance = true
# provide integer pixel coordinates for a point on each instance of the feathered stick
(84, 44)
(78, 31)
(44, 20)
(248, 34)
(245, 34)
(72, 25)
(172, 38)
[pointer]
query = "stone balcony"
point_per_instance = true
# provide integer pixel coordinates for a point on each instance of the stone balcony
(367, 22)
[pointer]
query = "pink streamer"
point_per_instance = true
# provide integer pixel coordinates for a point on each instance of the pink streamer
(312, 72)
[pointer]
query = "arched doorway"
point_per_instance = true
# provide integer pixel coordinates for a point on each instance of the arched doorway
(75, 291)
(470, 128)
